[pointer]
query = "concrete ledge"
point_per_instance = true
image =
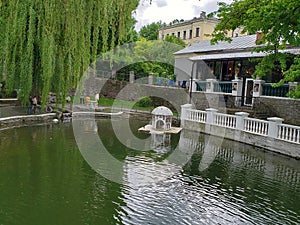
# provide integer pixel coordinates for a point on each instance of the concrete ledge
(18, 121)
(268, 143)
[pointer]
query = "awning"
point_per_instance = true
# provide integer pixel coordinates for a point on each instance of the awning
(236, 55)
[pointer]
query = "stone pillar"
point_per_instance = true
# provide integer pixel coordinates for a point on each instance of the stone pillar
(210, 85)
(210, 115)
(131, 77)
(183, 115)
(273, 126)
(257, 87)
(240, 120)
(237, 87)
(150, 79)
(292, 86)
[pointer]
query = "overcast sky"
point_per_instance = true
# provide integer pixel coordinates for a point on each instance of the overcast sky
(169, 10)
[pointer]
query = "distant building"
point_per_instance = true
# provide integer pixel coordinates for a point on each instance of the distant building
(226, 62)
(195, 30)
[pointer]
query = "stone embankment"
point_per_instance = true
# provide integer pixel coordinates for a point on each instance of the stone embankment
(26, 120)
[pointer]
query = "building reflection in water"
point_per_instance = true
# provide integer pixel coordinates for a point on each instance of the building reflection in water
(161, 143)
(209, 149)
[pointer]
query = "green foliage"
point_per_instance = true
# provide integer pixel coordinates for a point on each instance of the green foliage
(145, 102)
(150, 31)
(123, 104)
(278, 20)
(47, 45)
(175, 40)
(139, 57)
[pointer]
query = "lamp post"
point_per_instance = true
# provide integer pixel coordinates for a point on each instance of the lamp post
(191, 82)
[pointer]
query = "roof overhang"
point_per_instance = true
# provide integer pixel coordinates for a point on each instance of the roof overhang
(241, 55)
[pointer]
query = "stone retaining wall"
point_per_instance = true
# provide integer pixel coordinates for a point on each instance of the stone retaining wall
(286, 108)
(271, 144)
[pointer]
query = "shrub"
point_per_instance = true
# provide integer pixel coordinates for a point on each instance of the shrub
(144, 102)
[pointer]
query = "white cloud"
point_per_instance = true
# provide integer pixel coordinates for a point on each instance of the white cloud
(169, 10)
(161, 3)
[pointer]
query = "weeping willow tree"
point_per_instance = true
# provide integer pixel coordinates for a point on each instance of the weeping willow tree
(47, 45)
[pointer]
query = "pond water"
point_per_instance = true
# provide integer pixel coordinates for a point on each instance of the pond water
(45, 179)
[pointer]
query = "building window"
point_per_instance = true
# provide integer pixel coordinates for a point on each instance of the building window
(184, 35)
(197, 31)
(191, 33)
(162, 36)
(173, 34)
(178, 34)
(168, 35)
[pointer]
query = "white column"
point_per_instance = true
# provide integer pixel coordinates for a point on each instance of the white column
(240, 120)
(193, 86)
(237, 86)
(183, 115)
(210, 115)
(150, 79)
(273, 126)
(131, 77)
(210, 85)
(257, 87)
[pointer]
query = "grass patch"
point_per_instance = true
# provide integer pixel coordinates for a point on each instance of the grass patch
(123, 104)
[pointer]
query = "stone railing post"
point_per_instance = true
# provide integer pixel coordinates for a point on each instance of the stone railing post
(184, 109)
(292, 86)
(240, 120)
(150, 79)
(210, 85)
(258, 88)
(273, 126)
(210, 115)
(237, 87)
(131, 77)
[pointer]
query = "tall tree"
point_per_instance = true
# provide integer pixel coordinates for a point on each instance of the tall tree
(279, 22)
(150, 31)
(47, 45)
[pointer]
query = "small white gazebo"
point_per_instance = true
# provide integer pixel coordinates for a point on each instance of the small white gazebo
(162, 118)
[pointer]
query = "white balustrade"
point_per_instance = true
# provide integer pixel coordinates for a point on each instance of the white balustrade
(196, 115)
(224, 120)
(289, 133)
(272, 128)
(256, 126)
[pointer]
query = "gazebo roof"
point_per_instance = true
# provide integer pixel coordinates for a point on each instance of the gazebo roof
(162, 110)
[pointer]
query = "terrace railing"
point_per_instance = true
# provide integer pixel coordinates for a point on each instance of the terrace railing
(201, 86)
(224, 87)
(269, 90)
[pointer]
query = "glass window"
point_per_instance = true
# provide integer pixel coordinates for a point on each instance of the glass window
(184, 35)
(178, 34)
(197, 31)
(191, 33)
(218, 70)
